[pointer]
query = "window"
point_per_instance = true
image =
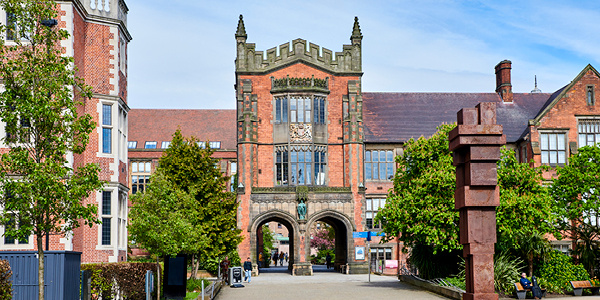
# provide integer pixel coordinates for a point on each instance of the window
(553, 148)
(379, 165)
(150, 145)
(11, 27)
(301, 166)
(564, 248)
(132, 144)
(165, 145)
(10, 240)
(373, 206)
(140, 177)
(106, 203)
(588, 132)
(590, 99)
(106, 231)
(281, 110)
(106, 217)
(524, 154)
(106, 128)
(302, 109)
(233, 174)
(214, 145)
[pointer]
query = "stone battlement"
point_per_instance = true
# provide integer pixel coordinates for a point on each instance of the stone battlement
(249, 60)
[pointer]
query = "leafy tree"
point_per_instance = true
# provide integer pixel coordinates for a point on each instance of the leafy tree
(525, 212)
(576, 204)
(267, 239)
(420, 208)
(162, 220)
(199, 215)
(189, 165)
(43, 191)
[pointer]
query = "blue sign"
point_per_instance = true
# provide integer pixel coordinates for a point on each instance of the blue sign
(363, 234)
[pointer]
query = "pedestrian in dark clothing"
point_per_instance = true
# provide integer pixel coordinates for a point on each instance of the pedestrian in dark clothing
(225, 269)
(274, 258)
(328, 260)
(248, 269)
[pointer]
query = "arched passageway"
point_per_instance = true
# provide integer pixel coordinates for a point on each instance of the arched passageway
(288, 226)
(343, 233)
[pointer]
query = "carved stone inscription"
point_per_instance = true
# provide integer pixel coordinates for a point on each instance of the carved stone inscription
(300, 133)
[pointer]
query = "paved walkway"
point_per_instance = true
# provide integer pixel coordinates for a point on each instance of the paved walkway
(323, 285)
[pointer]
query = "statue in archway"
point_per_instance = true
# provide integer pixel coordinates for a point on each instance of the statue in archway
(301, 210)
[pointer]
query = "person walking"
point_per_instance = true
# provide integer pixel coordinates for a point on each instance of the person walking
(260, 259)
(281, 257)
(274, 258)
(248, 269)
(286, 257)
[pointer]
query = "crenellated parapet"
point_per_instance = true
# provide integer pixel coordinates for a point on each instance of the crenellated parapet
(346, 62)
(106, 11)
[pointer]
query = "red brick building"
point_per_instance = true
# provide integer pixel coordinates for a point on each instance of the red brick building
(308, 145)
(98, 42)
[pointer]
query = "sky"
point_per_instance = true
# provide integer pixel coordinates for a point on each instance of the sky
(183, 51)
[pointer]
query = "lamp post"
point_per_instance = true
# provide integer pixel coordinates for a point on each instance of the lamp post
(50, 24)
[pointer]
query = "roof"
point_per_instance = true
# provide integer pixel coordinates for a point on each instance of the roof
(397, 117)
(205, 124)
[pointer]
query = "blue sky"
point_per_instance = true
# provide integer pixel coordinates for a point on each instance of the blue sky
(182, 53)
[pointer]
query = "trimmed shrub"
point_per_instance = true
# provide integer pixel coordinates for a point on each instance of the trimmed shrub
(5, 280)
(557, 270)
(125, 278)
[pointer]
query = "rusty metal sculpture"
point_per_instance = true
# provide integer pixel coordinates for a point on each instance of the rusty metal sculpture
(476, 143)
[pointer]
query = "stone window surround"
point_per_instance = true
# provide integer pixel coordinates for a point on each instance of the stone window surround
(287, 106)
(565, 133)
(595, 132)
(311, 148)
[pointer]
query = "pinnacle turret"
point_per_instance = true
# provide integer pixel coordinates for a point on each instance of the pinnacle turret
(241, 30)
(356, 34)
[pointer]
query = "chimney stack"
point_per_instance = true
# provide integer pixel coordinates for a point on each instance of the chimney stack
(503, 85)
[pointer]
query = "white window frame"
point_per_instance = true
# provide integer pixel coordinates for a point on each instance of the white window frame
(588, 127)
(371, 213)
(548, 149)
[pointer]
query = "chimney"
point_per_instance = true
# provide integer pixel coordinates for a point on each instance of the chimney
(503, 85)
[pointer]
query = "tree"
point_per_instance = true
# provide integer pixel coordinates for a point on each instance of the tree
(420, 208)
(43, 190)
(162, 220)
(525, 212)
(575, 193)
(323, 238)
(189, 177)
(267, 239)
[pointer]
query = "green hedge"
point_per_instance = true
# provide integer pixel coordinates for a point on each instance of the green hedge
(129, 278)
(557, 270)
(5, 280)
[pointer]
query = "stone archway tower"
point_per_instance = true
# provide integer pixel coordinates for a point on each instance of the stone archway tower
(300, 139)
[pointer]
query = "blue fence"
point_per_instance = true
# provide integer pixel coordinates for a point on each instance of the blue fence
(61, 274)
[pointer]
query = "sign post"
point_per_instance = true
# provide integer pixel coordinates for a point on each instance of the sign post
(369, 252)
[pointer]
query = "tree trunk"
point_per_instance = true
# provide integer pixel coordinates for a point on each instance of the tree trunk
(40, 266)
(194, 274)
(158, 277)
(197, 266)
(530, 264)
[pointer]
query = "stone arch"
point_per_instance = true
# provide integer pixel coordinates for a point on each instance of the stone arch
(287, 220)
(343, 226)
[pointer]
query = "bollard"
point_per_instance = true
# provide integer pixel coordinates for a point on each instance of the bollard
(202, 289)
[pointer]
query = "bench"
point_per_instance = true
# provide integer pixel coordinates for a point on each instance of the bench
(522, 292)
(579, 286)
